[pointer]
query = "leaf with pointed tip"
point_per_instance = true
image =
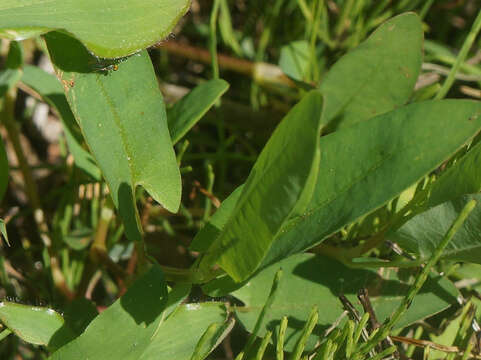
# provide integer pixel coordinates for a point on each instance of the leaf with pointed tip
(110, 29)
(280, 184)
(377, 76)
(365, 166)
(192, 107)
(122, 117)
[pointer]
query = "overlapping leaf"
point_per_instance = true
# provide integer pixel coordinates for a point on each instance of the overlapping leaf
(310, 280)
(377, 76)
(280, 184)
(423, 233)
(110, 28)
(122, 117)
(366, 165)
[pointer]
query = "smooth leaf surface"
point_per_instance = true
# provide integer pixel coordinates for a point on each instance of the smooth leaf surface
(34, 325)
(423, 233)
(122, 117)
(357, 177)
(179, 334)
(111, 28)
(464, 177)
(136, 315)
(49, 87)
(310, 280)
(192, 107)
(294, 59)
(284, 174)
(377, 76)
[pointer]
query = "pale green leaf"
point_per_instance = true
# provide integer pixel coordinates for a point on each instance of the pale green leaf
(294, 59)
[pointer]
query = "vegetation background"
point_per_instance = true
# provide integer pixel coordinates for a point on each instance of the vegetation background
(269, 52)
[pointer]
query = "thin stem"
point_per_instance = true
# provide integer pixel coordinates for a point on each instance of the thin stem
(213, 38)
(461, 57)
(32, 192)
(385, 329)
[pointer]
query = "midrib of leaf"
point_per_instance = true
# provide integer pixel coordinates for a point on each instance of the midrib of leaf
(121, 129)
(349, 99)
(295, 221)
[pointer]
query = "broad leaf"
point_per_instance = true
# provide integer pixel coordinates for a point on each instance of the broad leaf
(280, 184)
(49, 87)
(314, 280)
(294, 59)
(136, 315)
(110, 28)
(179, 335)
(377, 76)
(422, 234)
(365, 166)
(122, 117)
(192, 107)
(32, 324)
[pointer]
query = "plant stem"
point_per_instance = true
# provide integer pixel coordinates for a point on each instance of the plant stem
(461, 57)
(385, 329)
(31, 191)
(213, 38)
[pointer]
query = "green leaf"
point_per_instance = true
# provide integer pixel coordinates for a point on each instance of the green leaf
(122, 117)
(179, 334)
(3, 231)
(284, 175)
(108, 29)
(365, 166)
(463, 177)
(211, 231)
(35, 325)
(422, 234)
(294, 59)
(311, 280)
(377, 76)
(136, 317)
(192, 107)
(51, 91)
